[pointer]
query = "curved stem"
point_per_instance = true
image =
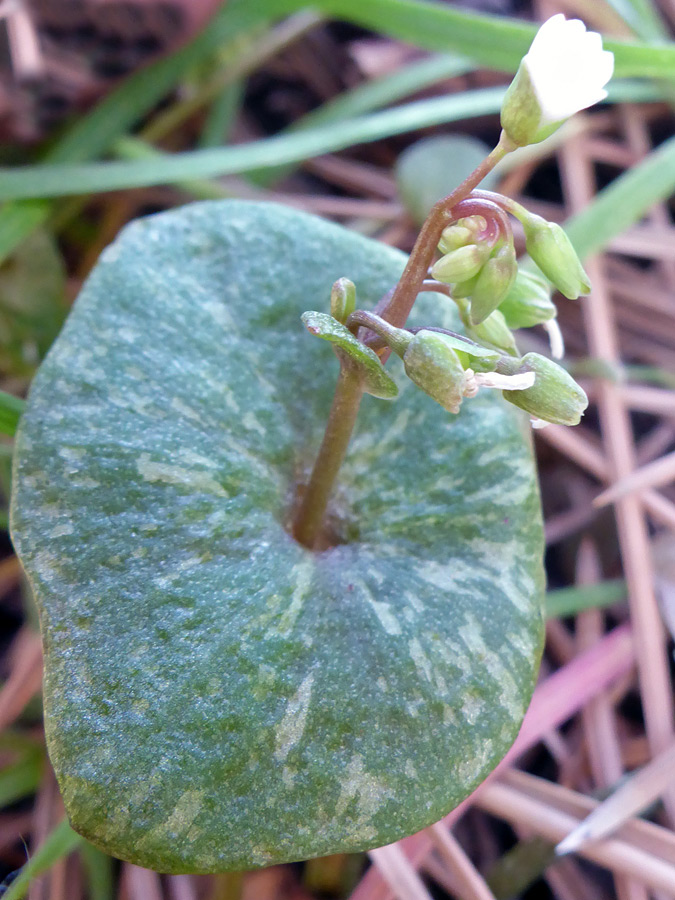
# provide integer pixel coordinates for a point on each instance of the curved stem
(493, 213)
(437, 287)
(309, 519)
(506, 203)
(397, 339)
(401, 302)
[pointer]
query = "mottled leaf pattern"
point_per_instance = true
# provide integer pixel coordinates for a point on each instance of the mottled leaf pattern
(216, 696)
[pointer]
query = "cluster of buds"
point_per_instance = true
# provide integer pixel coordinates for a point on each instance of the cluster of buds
(564, 71)
(495, 294)
(479, 263)
(450, 367)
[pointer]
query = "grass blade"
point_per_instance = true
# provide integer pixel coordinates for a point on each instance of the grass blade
(495, 42)
(374, 95)
(55, 181)
(642, 17)
(18, 221)
(59, 843)
(221, 115)
(631, 798)
(386, 90)
(10, 411)
(199, 189)
(21, 779)
(94, 133)
(122, 109)
(243, 59)
(572, 600)
(98, 867)
(64, 180)
(624, 201)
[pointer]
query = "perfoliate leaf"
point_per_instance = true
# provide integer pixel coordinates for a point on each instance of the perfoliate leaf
(217, 696)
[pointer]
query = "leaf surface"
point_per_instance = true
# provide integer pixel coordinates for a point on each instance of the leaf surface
(216, 696)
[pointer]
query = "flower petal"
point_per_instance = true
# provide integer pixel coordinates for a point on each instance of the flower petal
(605, 66)
(567, 67)
(566, 70)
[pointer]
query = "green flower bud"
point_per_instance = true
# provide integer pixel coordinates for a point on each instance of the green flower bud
(471, 355)
(464, 288)
(554, 397)
(493, 283)
(552, 251)
(528, 302)
(342, 299)
(464, 231)
(492, 331)
(461, 264)
(454, 237)
(432, 363)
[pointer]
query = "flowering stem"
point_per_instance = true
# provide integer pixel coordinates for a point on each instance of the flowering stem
(400, 304)
(395, 309)
(436, 287)
(309, 519)
(394, 338)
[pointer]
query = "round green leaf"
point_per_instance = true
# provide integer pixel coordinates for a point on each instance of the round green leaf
(33, 304)
(432, 167)
(217, 696)
(377, 382)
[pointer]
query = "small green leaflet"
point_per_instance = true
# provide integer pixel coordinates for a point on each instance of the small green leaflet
(377, 382)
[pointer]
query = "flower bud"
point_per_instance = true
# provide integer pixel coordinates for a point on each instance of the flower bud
(342, 299)
(433, 365)
(461, 264)
(493, 283)
(463, 232)
(471, 355)
(528, 302)
(454, 237)
(554, 397)
(552, 251)
(493, 331)
(565, 70)
(464, 289)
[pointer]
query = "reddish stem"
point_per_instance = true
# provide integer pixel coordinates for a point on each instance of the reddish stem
(442, 214)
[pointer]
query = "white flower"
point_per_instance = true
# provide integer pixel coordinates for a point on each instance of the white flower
(564, 71)
(567, 67)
